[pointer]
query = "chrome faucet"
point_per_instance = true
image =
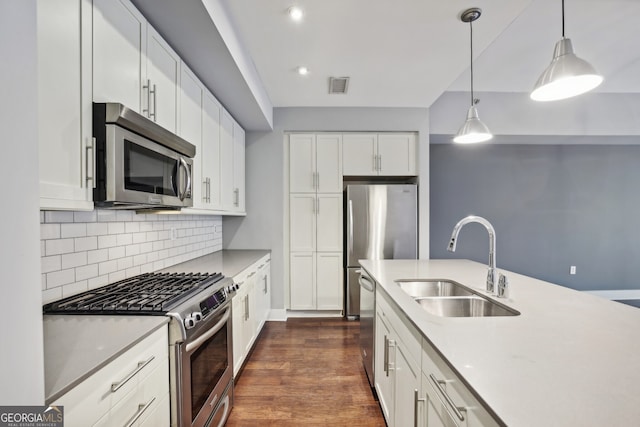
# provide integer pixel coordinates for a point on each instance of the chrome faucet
(491, 273)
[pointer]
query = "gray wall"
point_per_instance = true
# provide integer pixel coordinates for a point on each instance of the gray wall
(266, 223)
(552, 206)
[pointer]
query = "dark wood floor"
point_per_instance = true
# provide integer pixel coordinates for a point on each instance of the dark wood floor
(305, 372)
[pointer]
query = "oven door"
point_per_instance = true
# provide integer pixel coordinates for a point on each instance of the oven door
(206, 371)
(140, 171)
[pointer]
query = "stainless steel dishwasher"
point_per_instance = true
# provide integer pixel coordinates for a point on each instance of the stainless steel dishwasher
(367, 323)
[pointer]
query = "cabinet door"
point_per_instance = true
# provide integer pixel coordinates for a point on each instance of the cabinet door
(359, 154)
(407, 384)
(237, 324)
(302, 286)
(238, 167)
(64, 104)
(250, 325)
(210, 153)
(302, 223)
(261, 291)
(191, 91)
(119, 34)
(163, 68)
(329, 222)
(329, 289)
(383, 376)
(302, 163)
(227, 193)
(329, 163)
(397, 154)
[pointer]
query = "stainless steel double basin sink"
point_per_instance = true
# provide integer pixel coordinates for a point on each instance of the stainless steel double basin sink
(446, 298)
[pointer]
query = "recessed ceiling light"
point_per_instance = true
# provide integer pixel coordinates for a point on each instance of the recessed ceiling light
(303, 71)
(295, 13)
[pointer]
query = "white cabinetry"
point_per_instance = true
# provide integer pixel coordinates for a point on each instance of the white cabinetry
(232, 166)
(250, 308)
(315, 222)
(316, 163)
(66, 154)
(134, 388)
(132, 64)
(383, 154)
(397, 364)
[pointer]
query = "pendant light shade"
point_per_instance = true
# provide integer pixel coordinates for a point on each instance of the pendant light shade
(473, 130)
(567, 75)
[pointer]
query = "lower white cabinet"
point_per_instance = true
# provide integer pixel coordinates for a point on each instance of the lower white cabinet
(316, 281)
(397, 365)
(131, 390)
(250, 308)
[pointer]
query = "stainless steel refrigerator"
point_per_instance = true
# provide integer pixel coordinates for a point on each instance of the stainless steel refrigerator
(381, 222)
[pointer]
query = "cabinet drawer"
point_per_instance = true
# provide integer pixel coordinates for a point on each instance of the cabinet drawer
(436, 371)
(95, 396)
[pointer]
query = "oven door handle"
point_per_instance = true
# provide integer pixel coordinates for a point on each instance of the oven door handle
(211, 332)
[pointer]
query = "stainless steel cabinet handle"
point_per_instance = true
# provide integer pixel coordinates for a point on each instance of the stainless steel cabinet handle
(253, 273)
(386, 355)
(155, 96)
(204, 190)
(416, 399)
(141, 409)
(318, 209)
(90, 159)
(236, 195)
(117, 385)
(391, 366)
(147, 87)
(375, 162)
(317, 180)
(313, 180)
(265, 284)
(456, 409)
(379, 163)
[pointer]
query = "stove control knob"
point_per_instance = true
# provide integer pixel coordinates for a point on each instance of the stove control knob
(233, 288)
(189, 322)
(196, 315)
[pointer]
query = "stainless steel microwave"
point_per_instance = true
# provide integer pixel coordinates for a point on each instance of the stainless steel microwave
(139, 164)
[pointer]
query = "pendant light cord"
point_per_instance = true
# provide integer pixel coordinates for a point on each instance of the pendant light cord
(471, 43)
(562, 18)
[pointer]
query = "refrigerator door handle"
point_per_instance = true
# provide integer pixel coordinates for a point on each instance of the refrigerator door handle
(350, 227)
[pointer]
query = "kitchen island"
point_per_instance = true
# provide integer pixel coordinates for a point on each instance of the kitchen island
(569, 358)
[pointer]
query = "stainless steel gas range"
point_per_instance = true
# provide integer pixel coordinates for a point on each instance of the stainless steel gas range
(200, 336)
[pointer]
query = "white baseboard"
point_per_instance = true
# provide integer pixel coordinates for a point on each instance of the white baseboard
(314, 313)
(617, 294)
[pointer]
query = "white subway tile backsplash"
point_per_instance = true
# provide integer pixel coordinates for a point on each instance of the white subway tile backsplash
(58, 246)
(116, 227)
(85, 243)
(58, 216)
(86, 250)
(49, 231)
(75, 259)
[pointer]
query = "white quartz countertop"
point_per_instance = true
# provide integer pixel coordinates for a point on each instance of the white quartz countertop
(569, 358)
(228, 262)
(76, 346)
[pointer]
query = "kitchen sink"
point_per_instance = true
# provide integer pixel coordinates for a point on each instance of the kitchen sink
(432, 288)
(464, 306)
(447, 298)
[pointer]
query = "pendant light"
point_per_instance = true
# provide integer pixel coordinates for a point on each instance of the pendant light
(473, 130)
(567, 75)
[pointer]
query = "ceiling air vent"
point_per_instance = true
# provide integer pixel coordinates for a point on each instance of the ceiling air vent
(338, 84)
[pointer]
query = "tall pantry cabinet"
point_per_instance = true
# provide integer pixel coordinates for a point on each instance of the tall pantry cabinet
(315, 227)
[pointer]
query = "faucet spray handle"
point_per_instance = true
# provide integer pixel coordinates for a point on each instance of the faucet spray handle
(491, 280)
(503, 286)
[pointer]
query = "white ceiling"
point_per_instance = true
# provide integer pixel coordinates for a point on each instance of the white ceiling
(405, 53)
(398, 53)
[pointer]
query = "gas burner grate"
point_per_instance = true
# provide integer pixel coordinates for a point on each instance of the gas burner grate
(149, 293)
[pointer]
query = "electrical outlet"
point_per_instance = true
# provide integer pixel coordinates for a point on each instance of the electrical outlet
(173, 235)
(572, 270)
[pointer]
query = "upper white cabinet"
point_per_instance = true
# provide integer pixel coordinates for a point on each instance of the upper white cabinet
(191, 118)
(66, 155)
(232, 166)
(210, 151)
(382, 154)
(315, 163)
(132, 64)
